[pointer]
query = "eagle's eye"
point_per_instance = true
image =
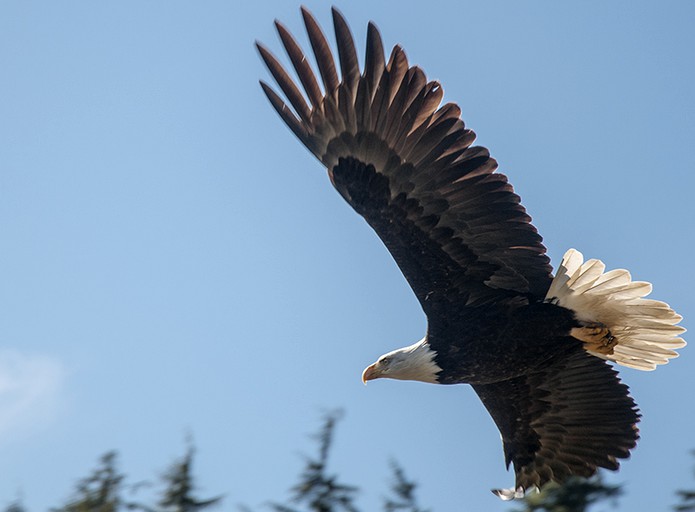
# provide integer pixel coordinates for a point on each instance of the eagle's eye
(385, 361)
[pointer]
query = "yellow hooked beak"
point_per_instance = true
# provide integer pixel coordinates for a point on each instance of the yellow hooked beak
(370, 373)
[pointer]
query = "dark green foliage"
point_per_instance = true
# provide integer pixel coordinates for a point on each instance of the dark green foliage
(15, 506)
(102, 490)
(178, 496)
(403, 493)
(687, 501)
(687, 498)
(576, 495)
(318, 490)
(99, 492)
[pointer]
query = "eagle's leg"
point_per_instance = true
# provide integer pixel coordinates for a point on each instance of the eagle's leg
(596, 337)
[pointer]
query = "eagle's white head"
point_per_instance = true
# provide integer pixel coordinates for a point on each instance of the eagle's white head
(415, 362)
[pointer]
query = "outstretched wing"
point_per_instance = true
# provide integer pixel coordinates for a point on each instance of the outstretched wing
(405, 163)
(570, 418)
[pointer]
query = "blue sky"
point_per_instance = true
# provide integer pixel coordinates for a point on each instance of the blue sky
(174, 261)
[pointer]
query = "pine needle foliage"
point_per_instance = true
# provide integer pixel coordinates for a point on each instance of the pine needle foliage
(179, 493)
(15, 506)
(687, 498)
(99, 492)
(575, 495)
(403, 493)
(317, 489)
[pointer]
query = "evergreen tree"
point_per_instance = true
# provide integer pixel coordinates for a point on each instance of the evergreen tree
(403, 493)
(15, 506)
(687, 503)
(575, 495)
(317, 489)
(99, 492)
(178, 495)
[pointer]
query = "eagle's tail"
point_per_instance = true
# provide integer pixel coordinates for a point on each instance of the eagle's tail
(618, 323)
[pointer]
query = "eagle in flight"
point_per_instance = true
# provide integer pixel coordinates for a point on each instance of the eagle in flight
(534, 346)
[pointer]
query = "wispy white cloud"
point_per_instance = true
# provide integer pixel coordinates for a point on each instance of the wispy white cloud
(30, 389)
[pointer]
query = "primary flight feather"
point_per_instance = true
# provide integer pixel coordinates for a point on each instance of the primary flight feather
(532, 345)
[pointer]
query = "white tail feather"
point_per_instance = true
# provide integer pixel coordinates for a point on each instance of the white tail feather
(645, 330)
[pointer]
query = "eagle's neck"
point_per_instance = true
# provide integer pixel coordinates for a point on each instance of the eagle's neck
(415, 362)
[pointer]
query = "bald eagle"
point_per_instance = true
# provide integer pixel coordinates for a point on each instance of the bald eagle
(532, 345)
